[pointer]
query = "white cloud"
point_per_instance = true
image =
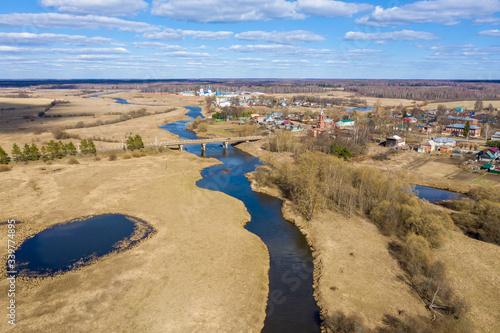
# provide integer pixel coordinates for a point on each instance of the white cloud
(25, 38)
(363, 51)
(68, 21)
(41, 51)
(253, 10)
(178, 34)
(330, 8)
(98, 7)
(446, 12)
(251, 59)
(185, 54)
(157, 45)
(492, 33)
(4, 48)
(281, 37)
(394, 35)
(115, 50)
(225, 10)
(279, 50)
(94, 57)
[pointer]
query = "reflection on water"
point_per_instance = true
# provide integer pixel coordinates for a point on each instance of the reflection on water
(64, 246)
(434, 195)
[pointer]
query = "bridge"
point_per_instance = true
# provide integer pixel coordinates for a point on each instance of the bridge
(204, 142)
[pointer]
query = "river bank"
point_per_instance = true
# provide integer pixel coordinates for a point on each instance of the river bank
(353, 271)
(193, 275)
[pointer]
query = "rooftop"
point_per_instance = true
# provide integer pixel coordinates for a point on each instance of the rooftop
(462, 126)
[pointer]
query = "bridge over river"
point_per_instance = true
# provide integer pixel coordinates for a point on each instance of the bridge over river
(203, 142)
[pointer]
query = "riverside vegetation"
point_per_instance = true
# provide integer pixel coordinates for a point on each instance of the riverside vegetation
(320, 178)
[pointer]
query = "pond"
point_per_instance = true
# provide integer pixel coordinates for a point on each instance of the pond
(435, 195)
(76, 243)
(359, 108)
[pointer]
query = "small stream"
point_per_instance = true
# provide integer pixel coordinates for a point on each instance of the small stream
(291, 306)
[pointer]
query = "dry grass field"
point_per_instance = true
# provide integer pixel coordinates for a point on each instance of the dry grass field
(358, 275)
(201, 272)
(474, 272)
(73, 110)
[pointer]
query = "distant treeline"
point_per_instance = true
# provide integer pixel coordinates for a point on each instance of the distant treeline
(436, 90)
(439, 91)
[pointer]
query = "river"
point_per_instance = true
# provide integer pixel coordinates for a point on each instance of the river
(291, 306)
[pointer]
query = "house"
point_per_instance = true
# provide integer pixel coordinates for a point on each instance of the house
(345, 123)
(496, 136)
(458, 130)
(395, 140)
(410, 120)
(462, 120)
(428, 146)
(445, 142)
(490, 153)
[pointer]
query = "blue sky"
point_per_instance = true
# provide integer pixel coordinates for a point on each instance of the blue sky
(166, 39)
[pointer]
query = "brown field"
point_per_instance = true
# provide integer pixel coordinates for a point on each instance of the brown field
(469, 105)
(201, 271)
(81, 108)
(474, 273)
(358, 275)
(371, 101)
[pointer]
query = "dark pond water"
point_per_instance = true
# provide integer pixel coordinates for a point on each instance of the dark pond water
(360, 109)
(65, 246)
(434, 195)
(291, 306)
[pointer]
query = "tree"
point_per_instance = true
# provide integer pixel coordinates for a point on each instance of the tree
(467, 129)
(54, 149)
(4, 158)
(135, 142)
(31, 153)
(490, 107)
(478, 106)
(16, 153)
(340, 151)
(70, 148)
(45, 157)
(87, 147)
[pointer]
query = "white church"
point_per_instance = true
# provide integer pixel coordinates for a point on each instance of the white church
(206, 93)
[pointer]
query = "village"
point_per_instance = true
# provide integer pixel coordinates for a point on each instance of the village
(472, 136)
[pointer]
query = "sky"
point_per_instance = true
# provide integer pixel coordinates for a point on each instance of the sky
(172, 39)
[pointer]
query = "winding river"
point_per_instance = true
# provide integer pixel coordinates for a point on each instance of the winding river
(291, 306)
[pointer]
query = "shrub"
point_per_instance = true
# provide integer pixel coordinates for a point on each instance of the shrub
(138, 154)
(4, 168)
(73, 160)
(59, 134)
(127, 156)
(135, 142)
(112, 156)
